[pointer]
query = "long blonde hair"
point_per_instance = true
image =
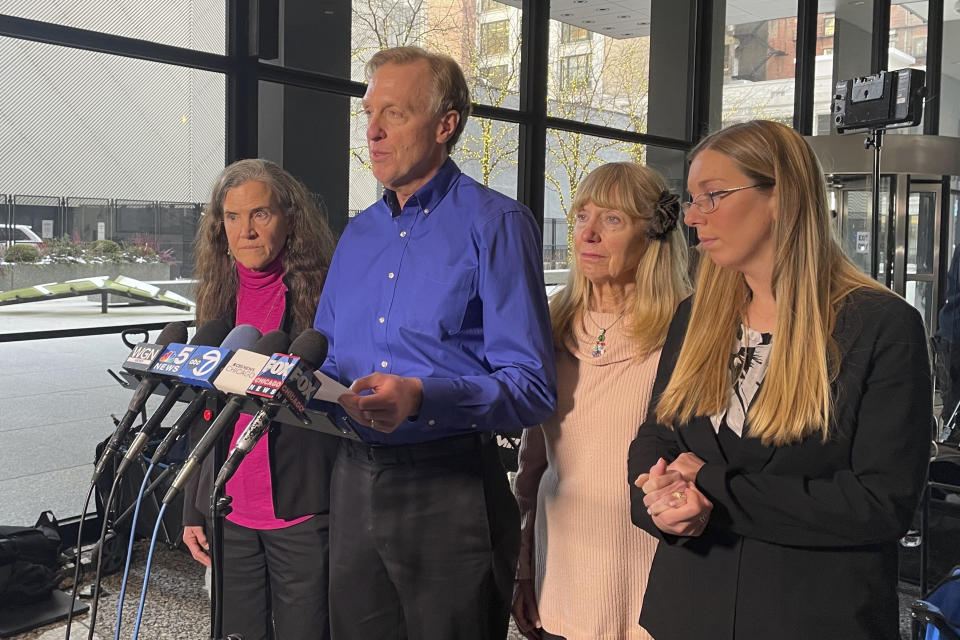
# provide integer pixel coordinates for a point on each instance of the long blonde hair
(661, 277)
(811, 277)
(306, 260)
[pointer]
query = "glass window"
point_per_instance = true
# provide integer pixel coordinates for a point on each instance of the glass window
(494, 38)
(599, 69)
(47, 444)
(484, 38)
(950, 72)
(760, 51)
(192, 24)
(908, 43)
(571, 33)
(570, 157)
(487, 152)
(576, 73)
(850, 23)
(108, 148)
(828, 24)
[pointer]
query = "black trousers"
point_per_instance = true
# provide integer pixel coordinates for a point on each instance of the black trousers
(278, 576)
(424, 541)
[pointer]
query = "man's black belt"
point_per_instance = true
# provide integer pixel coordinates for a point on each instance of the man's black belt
(415, 452)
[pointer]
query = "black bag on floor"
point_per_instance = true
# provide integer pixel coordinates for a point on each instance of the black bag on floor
(29, 561)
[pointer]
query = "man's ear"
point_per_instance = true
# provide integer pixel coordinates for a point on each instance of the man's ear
(447, 125)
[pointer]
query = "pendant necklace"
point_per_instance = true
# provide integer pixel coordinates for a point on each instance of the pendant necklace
(601, 343)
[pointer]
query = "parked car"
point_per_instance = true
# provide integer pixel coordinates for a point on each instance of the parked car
(18, 234)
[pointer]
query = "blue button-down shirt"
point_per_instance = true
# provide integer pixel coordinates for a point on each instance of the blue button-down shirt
(448, 289)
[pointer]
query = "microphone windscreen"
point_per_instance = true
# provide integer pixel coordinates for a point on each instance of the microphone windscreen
(173, 332)
(311, 346)
(242, 336)
(211, 334)
(271, 343)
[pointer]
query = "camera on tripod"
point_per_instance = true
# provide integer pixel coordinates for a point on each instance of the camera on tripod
(879, 101)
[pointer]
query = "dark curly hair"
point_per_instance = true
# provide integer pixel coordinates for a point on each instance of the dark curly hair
(308, 252)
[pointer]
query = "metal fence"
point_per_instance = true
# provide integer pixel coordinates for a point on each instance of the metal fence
(169, 228)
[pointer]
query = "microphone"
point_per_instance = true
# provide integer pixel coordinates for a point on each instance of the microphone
(234, 380)
(139, 361)
(287, 380)
(200, 370)
(174, 359)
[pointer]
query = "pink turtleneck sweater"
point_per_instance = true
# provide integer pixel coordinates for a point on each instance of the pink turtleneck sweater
(261, 301)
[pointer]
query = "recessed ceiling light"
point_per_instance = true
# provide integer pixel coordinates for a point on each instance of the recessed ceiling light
(588, 21)
(624, 17)
(604, 9)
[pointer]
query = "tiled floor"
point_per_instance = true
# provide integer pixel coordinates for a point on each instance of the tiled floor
(177, 606)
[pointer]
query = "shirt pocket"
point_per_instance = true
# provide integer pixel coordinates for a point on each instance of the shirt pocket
(439, 301)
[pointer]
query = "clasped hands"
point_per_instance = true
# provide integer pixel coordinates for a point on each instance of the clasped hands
(393, 400)
(671, 497)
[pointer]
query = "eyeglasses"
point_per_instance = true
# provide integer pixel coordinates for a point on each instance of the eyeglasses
(708, 202)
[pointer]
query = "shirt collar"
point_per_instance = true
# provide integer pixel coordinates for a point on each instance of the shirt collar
(429, 195)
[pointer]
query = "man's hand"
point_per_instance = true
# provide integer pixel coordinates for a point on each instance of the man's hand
(393, 400)
(196, 542)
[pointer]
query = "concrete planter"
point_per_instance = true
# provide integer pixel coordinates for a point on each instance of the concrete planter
(17, 276)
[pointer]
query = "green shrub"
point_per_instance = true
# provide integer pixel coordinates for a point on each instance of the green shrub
(63, 250)
(21, 253)
(105, 248)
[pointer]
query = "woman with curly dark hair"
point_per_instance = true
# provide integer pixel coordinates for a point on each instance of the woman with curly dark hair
(263, 250)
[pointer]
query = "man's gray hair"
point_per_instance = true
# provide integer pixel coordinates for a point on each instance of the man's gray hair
(450, 90)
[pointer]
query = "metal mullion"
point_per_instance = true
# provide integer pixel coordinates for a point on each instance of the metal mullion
(532, 151)
(931, 119)
(48, 33)
(881, 36)
(82, 331)
(701, 39)
(243, 90)
(805, 68)
(625, 135)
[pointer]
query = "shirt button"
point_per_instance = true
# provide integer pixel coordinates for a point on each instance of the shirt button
(383, 363)
(426, 210)
(473, 426)
(403, 234)
(431, 422)
(390, 275)
(381, 319)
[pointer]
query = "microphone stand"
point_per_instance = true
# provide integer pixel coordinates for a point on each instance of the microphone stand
(219, 509)
(875, 139)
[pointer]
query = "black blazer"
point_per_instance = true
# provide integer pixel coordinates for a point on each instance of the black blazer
(802, 541)
(301, 464)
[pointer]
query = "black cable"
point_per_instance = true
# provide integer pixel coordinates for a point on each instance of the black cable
(76, 560)
(101, 542)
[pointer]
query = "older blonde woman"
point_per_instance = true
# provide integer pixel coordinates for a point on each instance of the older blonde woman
(582, 566)
(787, 451)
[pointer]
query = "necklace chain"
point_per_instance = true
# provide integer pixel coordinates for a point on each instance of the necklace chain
(600, 345)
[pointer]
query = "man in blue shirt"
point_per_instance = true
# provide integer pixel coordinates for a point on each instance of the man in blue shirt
(435, 312)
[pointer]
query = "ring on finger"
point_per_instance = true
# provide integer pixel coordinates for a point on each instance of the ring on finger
(679, 495)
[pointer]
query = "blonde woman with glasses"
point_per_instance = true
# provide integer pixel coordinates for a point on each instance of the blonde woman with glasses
(787, 445)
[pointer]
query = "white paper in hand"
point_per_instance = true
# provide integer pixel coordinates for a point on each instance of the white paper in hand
(329, 389)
